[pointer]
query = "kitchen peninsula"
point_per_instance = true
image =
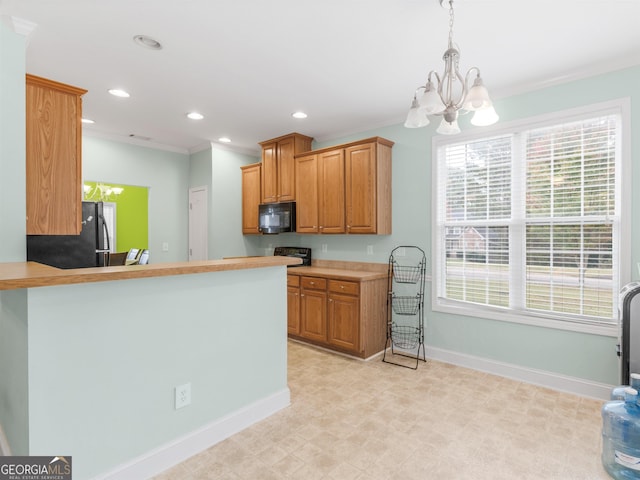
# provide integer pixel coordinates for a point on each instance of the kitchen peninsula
(97, 354)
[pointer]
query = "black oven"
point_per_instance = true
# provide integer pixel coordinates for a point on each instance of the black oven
(297, 252)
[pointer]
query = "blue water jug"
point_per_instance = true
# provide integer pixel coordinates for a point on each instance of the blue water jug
(621, 436)
(617, 393)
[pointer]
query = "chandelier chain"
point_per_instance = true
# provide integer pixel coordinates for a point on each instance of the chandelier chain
(451, 23)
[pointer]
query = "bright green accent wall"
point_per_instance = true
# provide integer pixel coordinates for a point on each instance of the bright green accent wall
(132, 215)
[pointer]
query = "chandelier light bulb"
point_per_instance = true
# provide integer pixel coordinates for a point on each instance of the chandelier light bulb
(477, 97)
(416, 118)
(485, 117)
(448, 128)
(431, 101)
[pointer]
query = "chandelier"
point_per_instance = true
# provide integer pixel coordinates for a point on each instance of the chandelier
(451, 95)
(101, 192)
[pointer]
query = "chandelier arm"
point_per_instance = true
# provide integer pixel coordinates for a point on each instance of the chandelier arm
(463, 95)
(472, 69)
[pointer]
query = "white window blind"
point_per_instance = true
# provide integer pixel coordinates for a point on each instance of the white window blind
(528, 221)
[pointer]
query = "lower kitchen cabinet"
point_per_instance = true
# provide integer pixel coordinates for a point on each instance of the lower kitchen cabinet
(293, 304)
(313, 308)
(344, 315)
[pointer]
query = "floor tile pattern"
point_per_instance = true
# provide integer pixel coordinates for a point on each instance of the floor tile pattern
(356, 420)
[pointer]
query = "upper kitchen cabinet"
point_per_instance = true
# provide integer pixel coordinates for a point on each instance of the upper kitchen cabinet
(368, 187)
(345, 189)
(320, 187)
(278, 167)
(250, 198)
(53, 157)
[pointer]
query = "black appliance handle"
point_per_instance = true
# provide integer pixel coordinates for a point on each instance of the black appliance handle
(107, 251)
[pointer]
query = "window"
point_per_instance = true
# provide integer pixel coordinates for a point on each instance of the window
(528, 222)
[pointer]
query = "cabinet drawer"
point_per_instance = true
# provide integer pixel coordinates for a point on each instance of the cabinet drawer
(314, 283)
(340, 286)
(293, 280)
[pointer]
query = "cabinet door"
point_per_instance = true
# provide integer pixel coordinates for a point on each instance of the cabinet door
(250, 198)
(293, 310)
(360, 178)
(307, 194)
(331, 191)
(269, 173)
(53, 157)
(286, 170)
(313, 315)
(344, 321)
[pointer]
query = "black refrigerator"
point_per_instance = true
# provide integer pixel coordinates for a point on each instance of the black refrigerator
(89, 249)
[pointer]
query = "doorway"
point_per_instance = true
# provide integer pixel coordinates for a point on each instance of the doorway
(198, 224)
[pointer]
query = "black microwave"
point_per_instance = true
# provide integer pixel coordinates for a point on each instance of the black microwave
(277, 217)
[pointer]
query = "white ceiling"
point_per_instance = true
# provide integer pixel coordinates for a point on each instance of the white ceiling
(351, 65)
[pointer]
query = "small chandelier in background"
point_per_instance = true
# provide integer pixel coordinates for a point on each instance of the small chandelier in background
(451, 94)
(101, 192)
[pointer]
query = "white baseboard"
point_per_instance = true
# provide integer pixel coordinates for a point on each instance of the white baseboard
(162, 458)
(555, 381)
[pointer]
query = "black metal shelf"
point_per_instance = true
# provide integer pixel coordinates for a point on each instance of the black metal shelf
(405, 306)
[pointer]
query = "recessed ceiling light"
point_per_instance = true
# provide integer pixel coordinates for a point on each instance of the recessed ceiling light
(299, 115)
(87, 120)
(147, 42)
(224, 140)
(195, 116)
(119, 93)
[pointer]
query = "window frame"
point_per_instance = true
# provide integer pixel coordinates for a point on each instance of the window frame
(621, 107)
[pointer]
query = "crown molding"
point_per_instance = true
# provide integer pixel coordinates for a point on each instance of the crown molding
(21, 26)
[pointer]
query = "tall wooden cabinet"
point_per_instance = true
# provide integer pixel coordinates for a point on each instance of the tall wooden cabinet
(53, 157)
(250, 198)
(368, 187)
(278, 168)
(345, 189)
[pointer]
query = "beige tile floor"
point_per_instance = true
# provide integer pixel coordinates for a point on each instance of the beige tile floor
(355, 420)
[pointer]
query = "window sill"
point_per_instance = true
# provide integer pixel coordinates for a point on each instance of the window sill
(487, 313)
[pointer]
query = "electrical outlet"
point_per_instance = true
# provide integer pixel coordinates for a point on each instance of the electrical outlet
(324, 248)
(369, 249)
(183, 395)
(165, 246)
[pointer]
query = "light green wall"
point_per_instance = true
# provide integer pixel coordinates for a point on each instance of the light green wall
(219, 170)
(101, 380)
(12, 145)
(585, 356)
(14, 418)
(165, 173)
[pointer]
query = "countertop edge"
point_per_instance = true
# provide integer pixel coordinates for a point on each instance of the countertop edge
(19, 275)
(338, 273)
